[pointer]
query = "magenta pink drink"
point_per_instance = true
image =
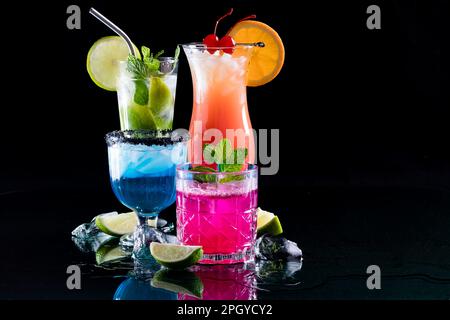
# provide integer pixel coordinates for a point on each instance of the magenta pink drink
(219, 216)
(223, 223)
(225, 282)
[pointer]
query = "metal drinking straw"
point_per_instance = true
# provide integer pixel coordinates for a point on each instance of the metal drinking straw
(114, 28)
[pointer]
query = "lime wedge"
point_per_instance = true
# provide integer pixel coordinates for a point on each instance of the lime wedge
(103, 61)
(140, 118)
(184, 282)
(267, 222)
(160, 96)
(110, 252)
(175, 256)
(117, 224)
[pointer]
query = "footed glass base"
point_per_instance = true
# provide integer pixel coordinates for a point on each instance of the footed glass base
(220, 258)
(144, 264)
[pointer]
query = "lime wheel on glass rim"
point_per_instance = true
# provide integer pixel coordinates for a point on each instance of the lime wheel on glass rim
(103, 58)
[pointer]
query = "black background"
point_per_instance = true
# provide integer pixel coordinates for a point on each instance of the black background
(363, 118)
(351, 103)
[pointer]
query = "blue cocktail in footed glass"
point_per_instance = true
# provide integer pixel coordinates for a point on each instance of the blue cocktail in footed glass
(142, 166)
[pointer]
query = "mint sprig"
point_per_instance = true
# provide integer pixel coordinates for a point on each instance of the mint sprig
(137, 67)
(151, 61)
(145, 67)
(142, 69)
(225, 157)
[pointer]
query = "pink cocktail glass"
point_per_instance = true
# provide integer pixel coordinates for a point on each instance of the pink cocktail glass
(217, 210)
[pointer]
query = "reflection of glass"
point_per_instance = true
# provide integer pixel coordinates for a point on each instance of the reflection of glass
(217, 210)
(147, 103)
(220, 97)
(225, 282)
(216, 282)
(136, 289)
(278, 272)
(142, 169)
(182, 282)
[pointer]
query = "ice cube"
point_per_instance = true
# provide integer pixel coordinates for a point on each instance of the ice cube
(166, 238)
(276, 248)
(150, 162)
(178, 154)
(279, 271)
(161, 234)
(87, 237)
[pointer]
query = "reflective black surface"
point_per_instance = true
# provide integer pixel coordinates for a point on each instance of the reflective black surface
(341, 230)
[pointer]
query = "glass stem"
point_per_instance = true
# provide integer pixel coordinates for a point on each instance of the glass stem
(151, 220)
(143, 236)
(142, 220)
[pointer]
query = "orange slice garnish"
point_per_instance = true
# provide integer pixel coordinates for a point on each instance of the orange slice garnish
(266, 62)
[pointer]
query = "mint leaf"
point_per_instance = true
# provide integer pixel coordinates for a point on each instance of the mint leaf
(225, 167)
(209, 153)
(145, 52)
(150, 61)
(177, 53)
(152, 65)
(239, 155)
(204, 177)
(140, 92)
(158, 54)
(202, 169)
(223, 152)
(231, 178)
(137, 67)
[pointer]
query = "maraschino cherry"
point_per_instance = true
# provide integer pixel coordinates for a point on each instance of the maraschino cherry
(228, 44)
(211, 41)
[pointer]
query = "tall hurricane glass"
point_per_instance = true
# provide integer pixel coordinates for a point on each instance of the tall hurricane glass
(147, 104)
(220, 98)
(142, 168)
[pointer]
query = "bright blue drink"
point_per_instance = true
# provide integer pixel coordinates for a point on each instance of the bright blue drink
(143, 177)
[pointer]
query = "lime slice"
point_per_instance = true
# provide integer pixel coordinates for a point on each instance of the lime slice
(110, 252)
(175, 256)
(267, 222)
(117, 224)
(160, 96)
(103, 61)
(184, 282)
(140, 118)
